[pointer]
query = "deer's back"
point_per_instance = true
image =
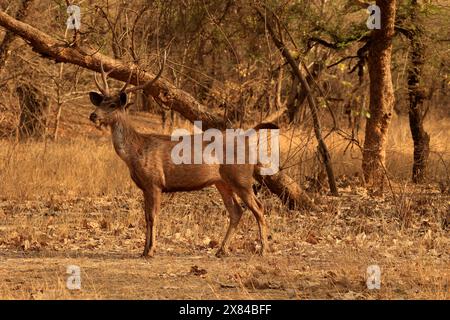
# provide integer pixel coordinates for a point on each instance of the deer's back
(155, 166)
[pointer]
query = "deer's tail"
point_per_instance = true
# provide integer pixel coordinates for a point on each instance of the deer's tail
(258, 169)
(266, 125)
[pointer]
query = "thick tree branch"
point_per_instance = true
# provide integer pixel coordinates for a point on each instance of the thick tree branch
(162, 90)
(341, 43)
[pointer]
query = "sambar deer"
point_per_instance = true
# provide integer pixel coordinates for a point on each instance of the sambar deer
(148, 157)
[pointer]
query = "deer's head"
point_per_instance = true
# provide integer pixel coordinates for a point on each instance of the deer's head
(108, 105)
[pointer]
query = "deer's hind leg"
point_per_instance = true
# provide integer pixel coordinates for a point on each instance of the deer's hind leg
(235, 212)
(152, 200)
(257, 208)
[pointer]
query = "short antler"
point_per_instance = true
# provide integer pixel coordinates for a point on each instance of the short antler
(147, 84)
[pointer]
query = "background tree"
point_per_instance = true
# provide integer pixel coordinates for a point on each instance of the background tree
(381, 96)
(417, 93)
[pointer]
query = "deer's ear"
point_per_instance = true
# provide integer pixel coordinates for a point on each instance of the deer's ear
(96, 98)
(123, 99)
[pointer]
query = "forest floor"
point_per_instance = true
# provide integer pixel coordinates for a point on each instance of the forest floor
(312, 254)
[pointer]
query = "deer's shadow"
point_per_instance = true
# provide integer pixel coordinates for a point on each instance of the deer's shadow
(69, 254)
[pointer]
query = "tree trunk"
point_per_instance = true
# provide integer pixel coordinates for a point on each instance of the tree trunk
(162, 90)
(291, 103)
(323, 149)
(381, 98)
(294, 109)
(416, 96)
(9, 37)
(33, 106)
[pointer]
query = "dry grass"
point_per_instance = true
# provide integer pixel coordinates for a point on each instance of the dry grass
(299, 151)
(81, 167)
(73, 203)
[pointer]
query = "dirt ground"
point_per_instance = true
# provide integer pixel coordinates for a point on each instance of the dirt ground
(313, 255)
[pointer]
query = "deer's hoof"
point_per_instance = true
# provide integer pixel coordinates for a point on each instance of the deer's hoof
(262, 251)
(148, 254)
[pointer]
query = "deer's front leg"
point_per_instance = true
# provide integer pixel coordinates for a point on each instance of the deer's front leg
(152, 200)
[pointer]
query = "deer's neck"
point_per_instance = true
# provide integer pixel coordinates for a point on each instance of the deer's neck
(124, 137)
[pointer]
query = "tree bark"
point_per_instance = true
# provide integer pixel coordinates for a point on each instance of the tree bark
(162, 90)
(293, 196)
(416, 96)
(381, 98)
